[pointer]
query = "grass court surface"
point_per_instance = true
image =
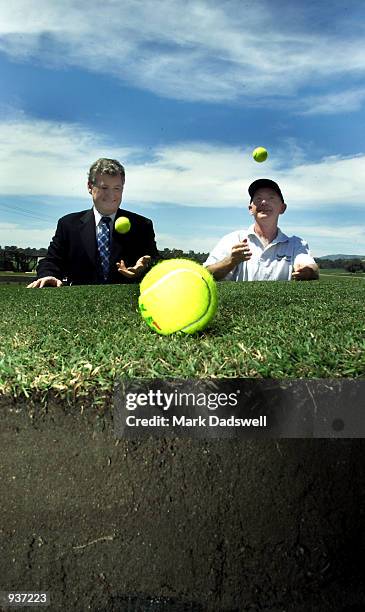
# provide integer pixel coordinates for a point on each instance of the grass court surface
(75, 341)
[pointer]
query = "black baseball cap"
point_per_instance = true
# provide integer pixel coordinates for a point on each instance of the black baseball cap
(260, 183)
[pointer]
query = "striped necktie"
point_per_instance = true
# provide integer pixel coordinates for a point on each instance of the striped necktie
(103, 239)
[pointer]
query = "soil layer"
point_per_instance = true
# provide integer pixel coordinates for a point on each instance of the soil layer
(176, 524)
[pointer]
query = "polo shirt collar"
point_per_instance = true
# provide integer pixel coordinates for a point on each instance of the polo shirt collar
(280, 237)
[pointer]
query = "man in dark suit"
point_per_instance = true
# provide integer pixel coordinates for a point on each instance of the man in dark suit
(87, 250)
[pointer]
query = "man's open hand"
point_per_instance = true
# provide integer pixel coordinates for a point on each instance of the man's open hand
(136, 270)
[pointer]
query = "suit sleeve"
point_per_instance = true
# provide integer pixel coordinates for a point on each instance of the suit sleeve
(55, 262)
(151, 248)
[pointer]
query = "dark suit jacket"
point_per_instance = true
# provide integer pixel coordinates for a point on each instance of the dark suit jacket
(73, 251)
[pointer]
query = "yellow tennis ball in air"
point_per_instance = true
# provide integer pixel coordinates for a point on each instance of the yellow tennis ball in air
(178, 295)
(259, 154)
(122, 225)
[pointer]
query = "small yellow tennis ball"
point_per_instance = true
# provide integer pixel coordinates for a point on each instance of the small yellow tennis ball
(122, 225)
(259, 154)
(178, 295)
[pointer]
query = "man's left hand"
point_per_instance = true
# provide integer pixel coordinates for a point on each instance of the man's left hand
(136, 270)
(304, 273)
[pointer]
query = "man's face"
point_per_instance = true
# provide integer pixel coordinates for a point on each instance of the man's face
(107, 193)
(266, 204)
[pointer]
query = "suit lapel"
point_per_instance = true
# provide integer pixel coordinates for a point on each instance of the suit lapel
(88, 235)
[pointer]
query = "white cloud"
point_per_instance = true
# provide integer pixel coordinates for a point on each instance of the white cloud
(41, 158)
(46, 158)
(192, 174)
(331, 181)
(12, 234)
(196, 50)
(349, 232)
(331, 239)
(200, 174)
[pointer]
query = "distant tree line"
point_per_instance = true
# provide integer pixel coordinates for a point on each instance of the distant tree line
(178, 253)
(16, 259)
(350, 265)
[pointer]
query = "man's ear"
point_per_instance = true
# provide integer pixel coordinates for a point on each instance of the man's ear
(283, 208)
(250, 208)
(89, 187)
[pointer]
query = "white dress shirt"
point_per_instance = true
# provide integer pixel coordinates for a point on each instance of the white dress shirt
(98, 216)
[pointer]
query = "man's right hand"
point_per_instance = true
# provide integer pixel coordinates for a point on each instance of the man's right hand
(240, 252)
(46, 281)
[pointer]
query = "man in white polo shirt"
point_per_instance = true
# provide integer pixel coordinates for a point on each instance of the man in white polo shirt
(263, 252)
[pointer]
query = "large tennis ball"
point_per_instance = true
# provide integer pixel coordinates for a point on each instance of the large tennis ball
(259, 154)
(178, 295)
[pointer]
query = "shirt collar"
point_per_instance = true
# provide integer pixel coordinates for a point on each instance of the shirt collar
(98, 216)
(280, 237)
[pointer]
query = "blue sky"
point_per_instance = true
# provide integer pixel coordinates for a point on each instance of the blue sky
(181, 93)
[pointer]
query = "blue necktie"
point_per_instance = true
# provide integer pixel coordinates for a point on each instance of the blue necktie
(103, 238)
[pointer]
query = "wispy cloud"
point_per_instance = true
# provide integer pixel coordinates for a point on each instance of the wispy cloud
(41, 158)
(47, 158)
(334, 103)
(348, 232)
(349, 239)
(196, 50)
(332, 181)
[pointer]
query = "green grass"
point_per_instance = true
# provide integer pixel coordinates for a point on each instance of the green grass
(75, 341)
